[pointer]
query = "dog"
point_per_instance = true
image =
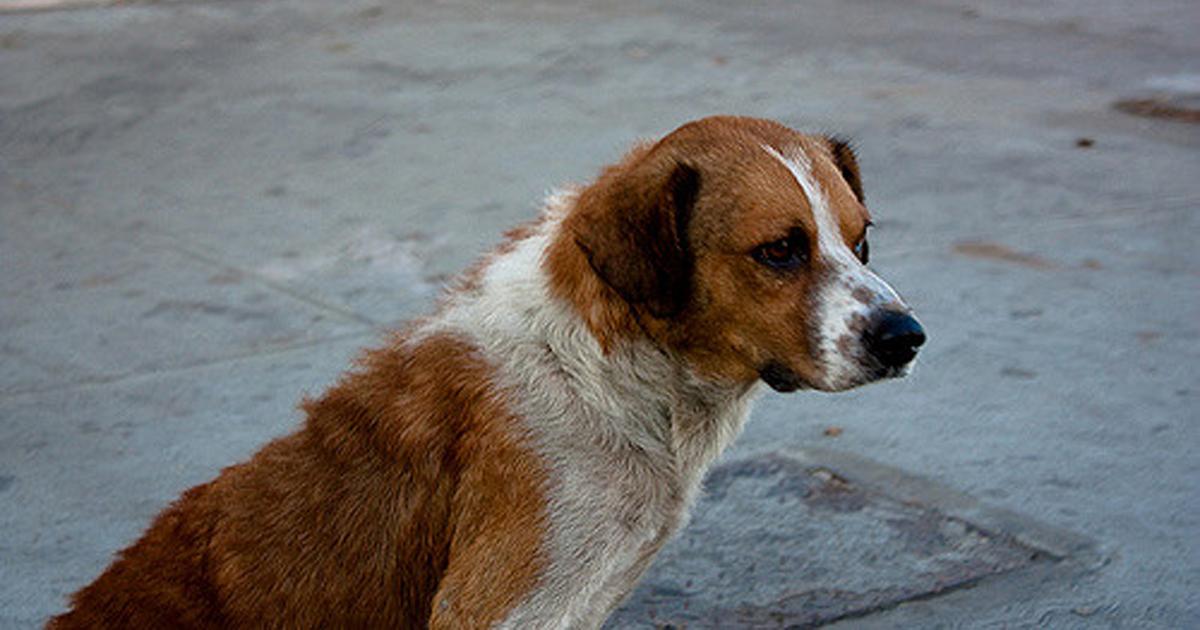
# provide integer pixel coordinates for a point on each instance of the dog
(517, 459)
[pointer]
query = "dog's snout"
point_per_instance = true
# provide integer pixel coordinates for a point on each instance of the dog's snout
(894, 338)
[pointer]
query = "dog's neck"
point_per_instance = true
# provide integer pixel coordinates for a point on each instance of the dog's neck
(571, 350)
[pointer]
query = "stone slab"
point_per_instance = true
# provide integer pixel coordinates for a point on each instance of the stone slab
(800, 539)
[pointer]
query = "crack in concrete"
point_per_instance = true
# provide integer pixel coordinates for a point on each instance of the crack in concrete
(123, 377)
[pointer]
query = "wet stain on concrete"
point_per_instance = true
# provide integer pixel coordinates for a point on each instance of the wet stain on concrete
(6, 482)
(832, 492)
(778, 542)
(995, 251)
(1180, 108)
(819, 488)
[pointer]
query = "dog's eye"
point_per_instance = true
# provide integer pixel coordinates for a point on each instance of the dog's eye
(863, 251)
(785, 253)
(863, 248)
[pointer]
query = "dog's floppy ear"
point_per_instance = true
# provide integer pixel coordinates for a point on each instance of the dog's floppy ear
(633, 230)
(847, 163)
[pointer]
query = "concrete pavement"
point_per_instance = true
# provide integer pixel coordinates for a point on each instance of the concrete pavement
(206, 208)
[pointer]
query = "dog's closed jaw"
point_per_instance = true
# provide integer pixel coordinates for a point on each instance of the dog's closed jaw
(780, 377)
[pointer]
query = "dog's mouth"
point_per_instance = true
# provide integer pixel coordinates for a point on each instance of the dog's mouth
(781, 378)
(883, 372)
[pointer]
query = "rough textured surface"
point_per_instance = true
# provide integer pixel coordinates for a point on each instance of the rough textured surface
(205, 207)
(805, 524)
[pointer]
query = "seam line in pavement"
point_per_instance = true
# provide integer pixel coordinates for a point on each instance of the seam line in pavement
(100, 381)
(178, 245)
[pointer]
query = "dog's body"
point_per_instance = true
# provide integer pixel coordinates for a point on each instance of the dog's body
(517, 459)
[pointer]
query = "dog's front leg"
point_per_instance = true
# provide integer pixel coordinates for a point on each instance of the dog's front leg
(489, 585)
(497, 555)
(483, 585)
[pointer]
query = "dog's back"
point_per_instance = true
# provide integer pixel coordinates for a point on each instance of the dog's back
(347, 523)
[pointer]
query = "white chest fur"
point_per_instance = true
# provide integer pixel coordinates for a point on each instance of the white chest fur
(626, 436)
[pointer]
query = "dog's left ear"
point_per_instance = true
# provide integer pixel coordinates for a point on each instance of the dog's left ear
(847, 163)
(632, 227)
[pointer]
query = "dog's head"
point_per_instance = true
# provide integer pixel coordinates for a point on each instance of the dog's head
(741, 245)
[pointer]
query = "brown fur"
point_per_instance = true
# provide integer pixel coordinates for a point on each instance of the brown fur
(385, 510)
(847, 163)
(411, 497)
(728, 317)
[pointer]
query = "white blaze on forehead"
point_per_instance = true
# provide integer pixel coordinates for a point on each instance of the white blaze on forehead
(849, 291)
(829, 235)
(841, 262)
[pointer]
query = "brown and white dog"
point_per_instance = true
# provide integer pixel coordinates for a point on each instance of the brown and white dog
(517, 459)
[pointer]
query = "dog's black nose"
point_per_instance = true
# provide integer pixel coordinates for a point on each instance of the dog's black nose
(894, 338)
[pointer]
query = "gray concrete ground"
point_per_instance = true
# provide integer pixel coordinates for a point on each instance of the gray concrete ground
(207, 207)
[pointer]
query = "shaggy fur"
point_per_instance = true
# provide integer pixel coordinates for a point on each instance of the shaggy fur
(517, 459)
